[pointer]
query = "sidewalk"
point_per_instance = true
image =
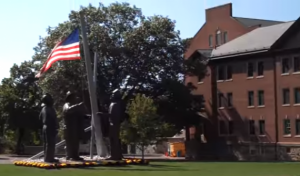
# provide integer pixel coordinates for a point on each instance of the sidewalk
(9, 159)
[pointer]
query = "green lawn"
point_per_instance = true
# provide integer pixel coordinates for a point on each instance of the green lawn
(167, 169)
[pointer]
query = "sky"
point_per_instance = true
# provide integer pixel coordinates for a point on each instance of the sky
(22, 22)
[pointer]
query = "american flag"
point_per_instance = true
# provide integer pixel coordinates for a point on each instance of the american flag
(67, 49)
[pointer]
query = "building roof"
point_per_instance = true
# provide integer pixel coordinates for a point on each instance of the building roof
(258, 40)
(249, 22)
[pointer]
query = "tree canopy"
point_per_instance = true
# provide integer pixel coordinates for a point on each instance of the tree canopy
(138, 54)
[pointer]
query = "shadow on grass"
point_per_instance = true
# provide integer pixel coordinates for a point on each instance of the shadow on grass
(213, 161)
(148, 168)
(4, 158)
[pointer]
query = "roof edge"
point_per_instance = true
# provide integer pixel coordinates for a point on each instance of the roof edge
(286, 33)
(259, 19)
(239, 54)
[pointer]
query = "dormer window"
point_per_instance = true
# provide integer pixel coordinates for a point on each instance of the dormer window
(218, 38)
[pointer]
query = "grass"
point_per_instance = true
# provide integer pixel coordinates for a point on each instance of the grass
(167, 169)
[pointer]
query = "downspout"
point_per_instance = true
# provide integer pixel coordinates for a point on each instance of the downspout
(276, 106)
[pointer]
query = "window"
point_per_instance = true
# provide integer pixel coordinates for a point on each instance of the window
(297, 126)
(230, 127)
(260, 68)
(251, 127)
(228, 72)
(287, 126)
(222, 127)
(229, 99)
(297, 95)
(250, 98)
(220, 73)
(261, 99)
(296, 64)
(286, 96)
(210, 40)
(250, 69)
(218, 38)
(261, 127)
(220, 100)
(200, 79)
(285, 65)
(225, 37)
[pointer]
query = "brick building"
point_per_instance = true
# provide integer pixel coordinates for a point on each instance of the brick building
(251, 90)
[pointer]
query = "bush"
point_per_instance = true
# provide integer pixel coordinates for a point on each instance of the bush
(7, 146)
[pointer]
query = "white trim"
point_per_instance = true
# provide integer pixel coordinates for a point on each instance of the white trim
(249, 127)
(224, 73)
(228, 99)
(253, 105)
(287, 135)
(264, 103)
(293, 56)
(225, 32)
(247, 66)
(281, 64)
(260, 76)
(295, 104)
(222, 101)
(262, 119)
(282, 93)
(229, 65)
(210, 42)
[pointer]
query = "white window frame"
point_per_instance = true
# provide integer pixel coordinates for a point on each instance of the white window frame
(255, 132)
(226, 73)
(290, 64)
(247, 66)
(224, 69)
(260, 76)
(218, 33)
(210, 41)
(293, 63)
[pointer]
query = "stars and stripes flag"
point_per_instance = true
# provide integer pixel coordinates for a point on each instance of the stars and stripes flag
(67, 49)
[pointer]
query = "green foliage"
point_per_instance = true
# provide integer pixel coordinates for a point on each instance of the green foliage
(144, 126)
(138, 53)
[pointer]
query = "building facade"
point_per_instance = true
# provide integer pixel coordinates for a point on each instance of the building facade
(252, 89)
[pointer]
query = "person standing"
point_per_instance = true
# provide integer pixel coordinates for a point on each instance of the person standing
(50, 128)
(116, 116)
(73, 116)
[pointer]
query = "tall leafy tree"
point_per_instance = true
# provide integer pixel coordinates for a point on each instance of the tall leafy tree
(136, 53)
(20, 102)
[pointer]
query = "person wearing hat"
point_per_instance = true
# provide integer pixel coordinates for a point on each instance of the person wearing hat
(73, 116)
(49, 127)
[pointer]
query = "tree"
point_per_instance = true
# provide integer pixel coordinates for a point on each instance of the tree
(144, 126)
(140, 54)
(20, 103)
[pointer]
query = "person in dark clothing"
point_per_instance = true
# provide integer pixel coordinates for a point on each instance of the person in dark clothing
(49, 127)
(73, 116)
(116, 115)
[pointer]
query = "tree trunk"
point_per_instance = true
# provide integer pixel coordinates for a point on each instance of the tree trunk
(187, 133)
(142, 151)
(19, 148)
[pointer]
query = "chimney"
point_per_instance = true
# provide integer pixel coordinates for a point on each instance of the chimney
(222, 11)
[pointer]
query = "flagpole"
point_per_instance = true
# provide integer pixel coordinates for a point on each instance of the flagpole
(95, 83)
(101, 148)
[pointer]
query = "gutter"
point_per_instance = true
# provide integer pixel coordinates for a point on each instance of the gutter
(238, 54)
(276, 107)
